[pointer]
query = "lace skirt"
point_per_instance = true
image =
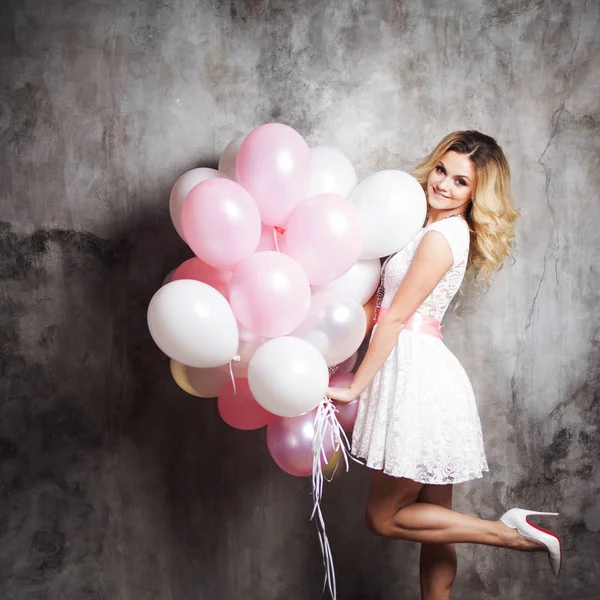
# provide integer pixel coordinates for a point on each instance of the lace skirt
(418, 418)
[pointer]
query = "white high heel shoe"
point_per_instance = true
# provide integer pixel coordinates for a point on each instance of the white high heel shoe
(516, 518)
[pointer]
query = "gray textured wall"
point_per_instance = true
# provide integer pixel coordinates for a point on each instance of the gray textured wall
(114, 483)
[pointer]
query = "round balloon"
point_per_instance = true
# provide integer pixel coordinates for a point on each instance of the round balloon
(348, 365)
(208, 382)
(183, 186)
(228, 158)
(193, 324)
(269, 294)
(393, 209)
(239, 409)
(221, 223)
(331, 172)
(335, 325)
(288, 376)
(273, 164)
(194, 268)
(290, 443)
(324, 234)
(179, 373)
(358, 283)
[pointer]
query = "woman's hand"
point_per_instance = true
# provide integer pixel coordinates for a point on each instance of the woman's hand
(342, 395)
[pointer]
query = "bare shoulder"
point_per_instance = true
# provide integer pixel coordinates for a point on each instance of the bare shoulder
(435, 247)
(455, 232)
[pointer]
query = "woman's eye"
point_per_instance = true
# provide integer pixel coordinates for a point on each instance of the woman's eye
(440, 170)
(461, 182)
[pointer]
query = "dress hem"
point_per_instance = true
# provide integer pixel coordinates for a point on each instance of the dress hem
(426, 481)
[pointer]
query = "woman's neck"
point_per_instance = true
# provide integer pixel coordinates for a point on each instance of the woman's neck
(433, 216)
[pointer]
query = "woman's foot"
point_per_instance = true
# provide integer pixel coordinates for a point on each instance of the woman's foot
(518, 521)
(515, 541)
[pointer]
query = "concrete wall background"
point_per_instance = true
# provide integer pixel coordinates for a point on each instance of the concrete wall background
(115, 484)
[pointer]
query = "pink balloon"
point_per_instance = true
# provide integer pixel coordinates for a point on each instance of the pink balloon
(221, 223)
(347, 365)
(325, 235)
(194, 268)
(290, 440)
(273, 164)
(269, 294)
(240, 410)
(346, 413)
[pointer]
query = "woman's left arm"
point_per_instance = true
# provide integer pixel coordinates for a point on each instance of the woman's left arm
(429, 265)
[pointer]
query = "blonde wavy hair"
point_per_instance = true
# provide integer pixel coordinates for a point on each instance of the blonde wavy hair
(491, 215)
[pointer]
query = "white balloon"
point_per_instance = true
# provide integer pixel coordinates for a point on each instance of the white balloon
(183, 186)
(193, 324)
(359, 283)
(393, 208)
(331, 172)
(288, 376)
(227, 160)
(335, 326)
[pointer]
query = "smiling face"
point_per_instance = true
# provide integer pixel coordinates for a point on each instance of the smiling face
(450, 186)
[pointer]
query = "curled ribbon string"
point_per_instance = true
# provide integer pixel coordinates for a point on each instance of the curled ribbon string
(236, 358)
(326, 426)
(280, 231)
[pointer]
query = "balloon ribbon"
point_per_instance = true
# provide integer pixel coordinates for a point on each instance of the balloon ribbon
(236, 358)
(326, 426)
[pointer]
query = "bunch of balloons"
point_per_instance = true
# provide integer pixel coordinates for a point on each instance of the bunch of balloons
(287, 251)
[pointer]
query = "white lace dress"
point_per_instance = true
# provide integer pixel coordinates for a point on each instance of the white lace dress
(418, 418)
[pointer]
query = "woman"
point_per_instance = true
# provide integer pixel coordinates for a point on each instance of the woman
(417, 423)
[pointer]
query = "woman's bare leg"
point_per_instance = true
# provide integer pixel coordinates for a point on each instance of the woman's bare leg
(438, 561)
(393, 511)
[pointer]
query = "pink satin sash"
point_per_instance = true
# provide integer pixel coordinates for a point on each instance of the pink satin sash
(418, 322)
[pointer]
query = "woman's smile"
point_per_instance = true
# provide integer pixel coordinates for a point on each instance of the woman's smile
(439, 194)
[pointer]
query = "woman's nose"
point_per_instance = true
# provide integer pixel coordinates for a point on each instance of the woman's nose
(444, 184)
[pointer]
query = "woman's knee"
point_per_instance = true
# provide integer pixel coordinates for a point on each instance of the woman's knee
(387, 496)
(384, 523)
(375, 521)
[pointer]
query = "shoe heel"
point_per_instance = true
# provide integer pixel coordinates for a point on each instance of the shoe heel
(518, 518)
